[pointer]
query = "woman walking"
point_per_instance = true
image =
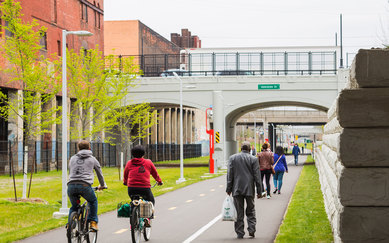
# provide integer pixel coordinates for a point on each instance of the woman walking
(265, 159)
(280, 167)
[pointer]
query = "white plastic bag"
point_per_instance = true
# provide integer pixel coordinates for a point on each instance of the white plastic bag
(229, 210)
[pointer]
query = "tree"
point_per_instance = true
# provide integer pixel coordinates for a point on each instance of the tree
(35, 74)
(100, 86)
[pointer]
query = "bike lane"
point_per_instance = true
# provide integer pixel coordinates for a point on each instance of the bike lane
(190, 214)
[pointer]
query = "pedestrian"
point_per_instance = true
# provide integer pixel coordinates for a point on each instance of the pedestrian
(81, 177)
(296, 152)
(253, 151)
(265, 159)
(302, 149)
(280, 167)
(243, 175)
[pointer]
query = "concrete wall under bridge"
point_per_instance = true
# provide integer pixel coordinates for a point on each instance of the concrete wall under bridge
(232, 96)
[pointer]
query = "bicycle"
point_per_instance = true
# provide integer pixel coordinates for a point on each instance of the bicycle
(138, 223)
(78, 228)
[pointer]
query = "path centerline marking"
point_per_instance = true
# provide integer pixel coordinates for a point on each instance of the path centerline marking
(203, 229)
(172, 208)
(121, 231)
(188, 201)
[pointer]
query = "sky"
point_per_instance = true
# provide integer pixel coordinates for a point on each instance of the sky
(262, 23)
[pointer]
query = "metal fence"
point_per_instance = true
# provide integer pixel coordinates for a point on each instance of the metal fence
(247, 63)
(47, 156)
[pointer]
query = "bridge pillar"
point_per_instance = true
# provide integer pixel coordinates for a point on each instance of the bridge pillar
(168, 126)
(174, 125)
(218, 126)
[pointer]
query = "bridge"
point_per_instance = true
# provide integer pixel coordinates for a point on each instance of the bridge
(234, 95)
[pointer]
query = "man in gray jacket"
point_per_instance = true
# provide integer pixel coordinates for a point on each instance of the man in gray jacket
(81, 178)
(243, 176)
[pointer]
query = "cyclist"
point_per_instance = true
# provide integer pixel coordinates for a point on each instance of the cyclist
(137, 175)
(81, 178)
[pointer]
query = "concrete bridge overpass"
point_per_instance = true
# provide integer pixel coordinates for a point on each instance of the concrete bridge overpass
(232, 96)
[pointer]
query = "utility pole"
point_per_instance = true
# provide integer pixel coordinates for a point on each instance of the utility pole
(341, 43)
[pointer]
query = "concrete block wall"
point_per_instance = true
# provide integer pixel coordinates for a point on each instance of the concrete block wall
(353, 163)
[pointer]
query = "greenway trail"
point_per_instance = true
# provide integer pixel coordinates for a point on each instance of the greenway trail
(193, 214)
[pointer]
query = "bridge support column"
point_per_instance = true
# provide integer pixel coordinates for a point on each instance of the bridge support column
(218, 126)
(174, 125)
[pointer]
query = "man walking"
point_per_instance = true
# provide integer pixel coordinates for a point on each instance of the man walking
(243, 176)
(295, 152)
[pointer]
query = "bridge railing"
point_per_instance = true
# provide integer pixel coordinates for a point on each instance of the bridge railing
(248, 63)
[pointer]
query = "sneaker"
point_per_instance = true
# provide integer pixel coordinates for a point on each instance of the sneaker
(275, 191)
(264, 194)
(93, 226)
(147, 223)
(279, 192)
(268, 196)
(240, 237)
(252, 234)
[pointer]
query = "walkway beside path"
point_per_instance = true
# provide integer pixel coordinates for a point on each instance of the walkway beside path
(192, 214)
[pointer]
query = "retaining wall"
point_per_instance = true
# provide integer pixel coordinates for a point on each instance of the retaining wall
(353, 163)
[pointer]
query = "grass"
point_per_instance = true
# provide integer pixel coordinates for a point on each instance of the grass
(47, 186)
(306, 219)
(199, 160)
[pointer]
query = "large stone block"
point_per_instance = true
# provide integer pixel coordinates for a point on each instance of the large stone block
(364, 108)
(364, 224)
(370, 69)
(364, 187)
(364, 147)
(333, 126)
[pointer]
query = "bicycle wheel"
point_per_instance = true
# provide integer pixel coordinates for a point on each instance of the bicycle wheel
(147, 232)
(73, 233)
(135, 225)
(91, 237)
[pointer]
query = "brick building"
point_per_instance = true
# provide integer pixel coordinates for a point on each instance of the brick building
(55, 15)
(185, 40)
(151, 51)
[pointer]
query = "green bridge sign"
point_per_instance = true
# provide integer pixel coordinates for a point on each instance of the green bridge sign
(268, 86)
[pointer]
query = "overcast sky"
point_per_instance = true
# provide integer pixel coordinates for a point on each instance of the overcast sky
(257, 23)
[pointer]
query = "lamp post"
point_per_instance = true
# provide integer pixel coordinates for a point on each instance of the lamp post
(64, 210)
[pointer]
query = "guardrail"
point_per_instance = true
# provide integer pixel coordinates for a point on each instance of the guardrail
(248, 63)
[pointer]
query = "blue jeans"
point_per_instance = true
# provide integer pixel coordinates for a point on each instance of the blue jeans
(277, 179)
(296, 159)
(75, 191)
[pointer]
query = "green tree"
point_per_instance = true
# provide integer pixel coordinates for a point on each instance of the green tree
(34, 74)
(100, 86)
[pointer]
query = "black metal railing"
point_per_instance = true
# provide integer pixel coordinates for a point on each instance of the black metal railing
(247, 63)
(47, 156)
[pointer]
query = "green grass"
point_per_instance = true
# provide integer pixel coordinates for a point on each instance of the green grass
(306, 219)
(20, 220)
(199, 160)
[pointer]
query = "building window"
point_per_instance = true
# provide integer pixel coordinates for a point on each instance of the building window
(43, 41)
(84, 12)
(59, 48)
(7, 32)
(99, 16)
(55, 11)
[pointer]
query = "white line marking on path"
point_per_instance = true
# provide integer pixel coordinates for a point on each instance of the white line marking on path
(172, 208)
(203, 229)
(202, 195)
(212, 190)
(220, 185)
(188, 201)
(121, 231)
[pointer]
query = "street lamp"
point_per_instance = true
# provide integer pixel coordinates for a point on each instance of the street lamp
(64, 210)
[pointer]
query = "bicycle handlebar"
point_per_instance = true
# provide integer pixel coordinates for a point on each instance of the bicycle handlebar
(97, 188)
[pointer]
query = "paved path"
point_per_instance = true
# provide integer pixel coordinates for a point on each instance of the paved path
(192, 214)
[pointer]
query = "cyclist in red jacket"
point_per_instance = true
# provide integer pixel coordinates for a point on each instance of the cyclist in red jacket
(137, 175)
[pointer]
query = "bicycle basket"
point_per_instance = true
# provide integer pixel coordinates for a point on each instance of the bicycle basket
(146, 209)
(123, 210)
